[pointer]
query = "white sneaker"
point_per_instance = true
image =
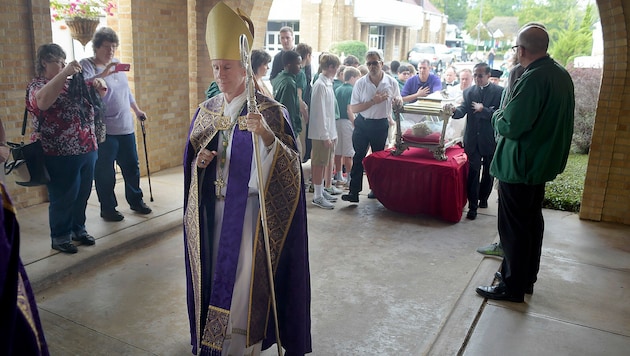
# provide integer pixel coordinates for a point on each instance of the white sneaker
(333, 190)
(328, 196)
(338, 179)
(323, 203)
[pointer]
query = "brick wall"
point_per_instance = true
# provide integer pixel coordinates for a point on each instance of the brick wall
(155, 41)
(607, 187)
(17, 68)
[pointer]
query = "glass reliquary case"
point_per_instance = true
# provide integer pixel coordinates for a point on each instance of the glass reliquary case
(426, 123)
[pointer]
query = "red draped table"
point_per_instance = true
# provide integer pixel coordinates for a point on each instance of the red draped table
(416, 183)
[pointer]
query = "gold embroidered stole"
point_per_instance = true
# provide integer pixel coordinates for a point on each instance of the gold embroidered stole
(204, 129)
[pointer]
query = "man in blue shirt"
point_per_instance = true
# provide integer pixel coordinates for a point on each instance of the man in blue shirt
(421, 85)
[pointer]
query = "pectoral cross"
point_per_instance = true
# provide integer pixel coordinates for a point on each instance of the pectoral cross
(218, 187)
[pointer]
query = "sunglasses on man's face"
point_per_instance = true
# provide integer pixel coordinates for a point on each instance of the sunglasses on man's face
(373, 63)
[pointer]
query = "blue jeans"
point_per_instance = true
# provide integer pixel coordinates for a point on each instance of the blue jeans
(68, 191)
(122, 149)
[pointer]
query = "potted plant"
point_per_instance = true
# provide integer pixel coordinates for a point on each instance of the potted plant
(81, 16)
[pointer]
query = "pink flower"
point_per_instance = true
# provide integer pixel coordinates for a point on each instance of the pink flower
(60, 9)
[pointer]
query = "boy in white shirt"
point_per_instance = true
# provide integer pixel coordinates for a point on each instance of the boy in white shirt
(322, 128)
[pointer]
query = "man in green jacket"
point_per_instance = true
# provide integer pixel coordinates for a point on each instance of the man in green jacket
(535, 128)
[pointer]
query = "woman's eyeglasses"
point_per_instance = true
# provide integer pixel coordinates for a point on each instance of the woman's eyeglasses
(61, 62)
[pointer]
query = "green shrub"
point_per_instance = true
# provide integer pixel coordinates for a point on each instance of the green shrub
(582, 134)
(346, 48)
(565, 192)
(587, 82)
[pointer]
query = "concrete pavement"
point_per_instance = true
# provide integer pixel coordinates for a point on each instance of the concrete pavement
(382, 283)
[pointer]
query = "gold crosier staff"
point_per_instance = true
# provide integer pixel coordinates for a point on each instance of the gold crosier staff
(252, 108)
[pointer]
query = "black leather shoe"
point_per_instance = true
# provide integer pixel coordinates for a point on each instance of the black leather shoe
(65, 247)
(141, 208)
(499, 292)
(371, 195)
(528, 290)
(353, 198)
(483, 204)
(114, 215)
(86, 239)
(472, 215)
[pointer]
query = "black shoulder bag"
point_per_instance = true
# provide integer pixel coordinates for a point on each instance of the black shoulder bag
(27, 165)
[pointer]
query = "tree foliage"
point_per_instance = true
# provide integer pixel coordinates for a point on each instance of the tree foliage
(473, 18)
(554, 14)
(574, 41)
(456, 10)
(557, 15)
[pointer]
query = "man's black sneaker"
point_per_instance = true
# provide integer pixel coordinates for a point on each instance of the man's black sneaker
(353, 198)
(113, 215)
(141, 208)
(86, 239)
(65, 247)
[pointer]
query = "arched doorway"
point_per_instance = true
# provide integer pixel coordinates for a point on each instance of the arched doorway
(607, 187)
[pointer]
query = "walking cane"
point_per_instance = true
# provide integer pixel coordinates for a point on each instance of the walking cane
(146, 155)
(251, 107)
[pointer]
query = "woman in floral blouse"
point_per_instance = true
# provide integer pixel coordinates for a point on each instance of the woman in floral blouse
(65, 126)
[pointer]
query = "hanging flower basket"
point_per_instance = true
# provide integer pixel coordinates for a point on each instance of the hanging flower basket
(82, 29)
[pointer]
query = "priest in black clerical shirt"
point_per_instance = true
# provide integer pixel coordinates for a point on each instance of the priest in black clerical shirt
(480, 102)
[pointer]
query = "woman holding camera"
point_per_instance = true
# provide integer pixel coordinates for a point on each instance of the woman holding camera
(65, 126)
(120, 143)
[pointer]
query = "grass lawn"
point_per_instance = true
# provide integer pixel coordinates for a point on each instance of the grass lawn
(565, 192)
